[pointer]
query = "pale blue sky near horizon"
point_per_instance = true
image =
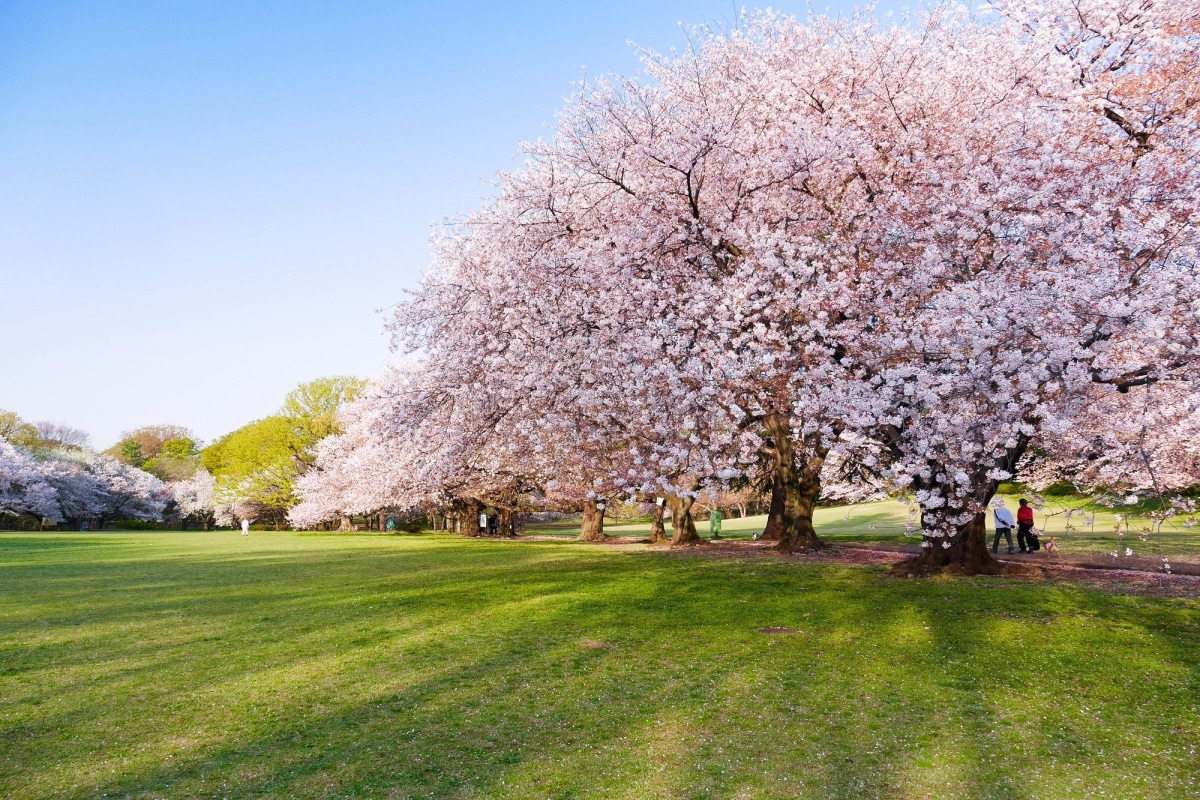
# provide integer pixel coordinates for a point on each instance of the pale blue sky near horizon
(204, 204)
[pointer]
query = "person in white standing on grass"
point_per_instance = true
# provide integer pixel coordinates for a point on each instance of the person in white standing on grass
(1004, 524)
(245, 527)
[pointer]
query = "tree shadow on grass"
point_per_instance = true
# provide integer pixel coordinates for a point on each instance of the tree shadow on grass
(1053, 676)
(551, 675)
(566, 682)
(544, 711)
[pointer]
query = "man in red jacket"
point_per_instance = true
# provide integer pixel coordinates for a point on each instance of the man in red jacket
(1025, 538)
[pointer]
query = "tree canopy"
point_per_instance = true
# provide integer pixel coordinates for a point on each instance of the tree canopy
(916, 247)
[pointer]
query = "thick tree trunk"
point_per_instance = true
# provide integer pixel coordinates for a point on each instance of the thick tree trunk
(794, 490)
(346, 525)
(658, 533)
(591, 529)
(682, 525)
(471, 510)
(801, 496)
(967, 553)
(777, 522)
(505, 527)
(963, 549)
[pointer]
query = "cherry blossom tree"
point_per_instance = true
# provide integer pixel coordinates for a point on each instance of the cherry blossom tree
(79, 494)
(1068, 259)
(918, 245)
(97, 488)
(605, 255)
(1145, 441)
(397, 452)
(125, 492)
(23, 488)
(194, 497)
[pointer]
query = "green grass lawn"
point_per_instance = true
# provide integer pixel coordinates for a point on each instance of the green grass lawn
(178, 665)
(885, 521)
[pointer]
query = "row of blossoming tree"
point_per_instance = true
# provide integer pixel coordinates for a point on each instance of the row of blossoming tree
(76, 487)
(50, 476)
(158, 473)
(933, 256)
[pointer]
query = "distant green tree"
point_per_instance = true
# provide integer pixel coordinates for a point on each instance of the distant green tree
(18, 432)
(257, 463)
(256, 466)
(183, 447)
(131, 453)
(178, 460)
(168, 452)
(312, 408)
(150, 440)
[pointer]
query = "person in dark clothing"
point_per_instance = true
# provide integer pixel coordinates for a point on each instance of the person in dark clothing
(1025, 540)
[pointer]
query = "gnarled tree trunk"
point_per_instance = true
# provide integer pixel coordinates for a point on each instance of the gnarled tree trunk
(963, 549)
(472, 508)
(658, 533)
(777, 522)
(801, 494)
(592, 527)
(794, 490)
(682, 525)
(967, 553)
(346, 525)
(505, 528)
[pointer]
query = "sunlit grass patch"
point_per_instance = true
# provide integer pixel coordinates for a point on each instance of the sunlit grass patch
(282, 665)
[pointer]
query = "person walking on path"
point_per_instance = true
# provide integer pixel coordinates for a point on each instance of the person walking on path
(1004, 524)
(1025, 541)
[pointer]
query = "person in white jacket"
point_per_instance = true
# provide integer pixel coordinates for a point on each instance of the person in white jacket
(1004, 524)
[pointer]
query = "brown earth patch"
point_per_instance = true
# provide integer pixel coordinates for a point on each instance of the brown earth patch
(1128, 577)
(596, 644)
(1142, 576)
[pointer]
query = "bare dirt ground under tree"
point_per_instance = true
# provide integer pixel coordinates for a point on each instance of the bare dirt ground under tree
(1143, 576)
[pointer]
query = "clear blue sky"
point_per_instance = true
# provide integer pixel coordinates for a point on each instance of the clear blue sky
(202, 204)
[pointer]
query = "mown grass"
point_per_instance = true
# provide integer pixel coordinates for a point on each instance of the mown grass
(178, 665)
(885, 521)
